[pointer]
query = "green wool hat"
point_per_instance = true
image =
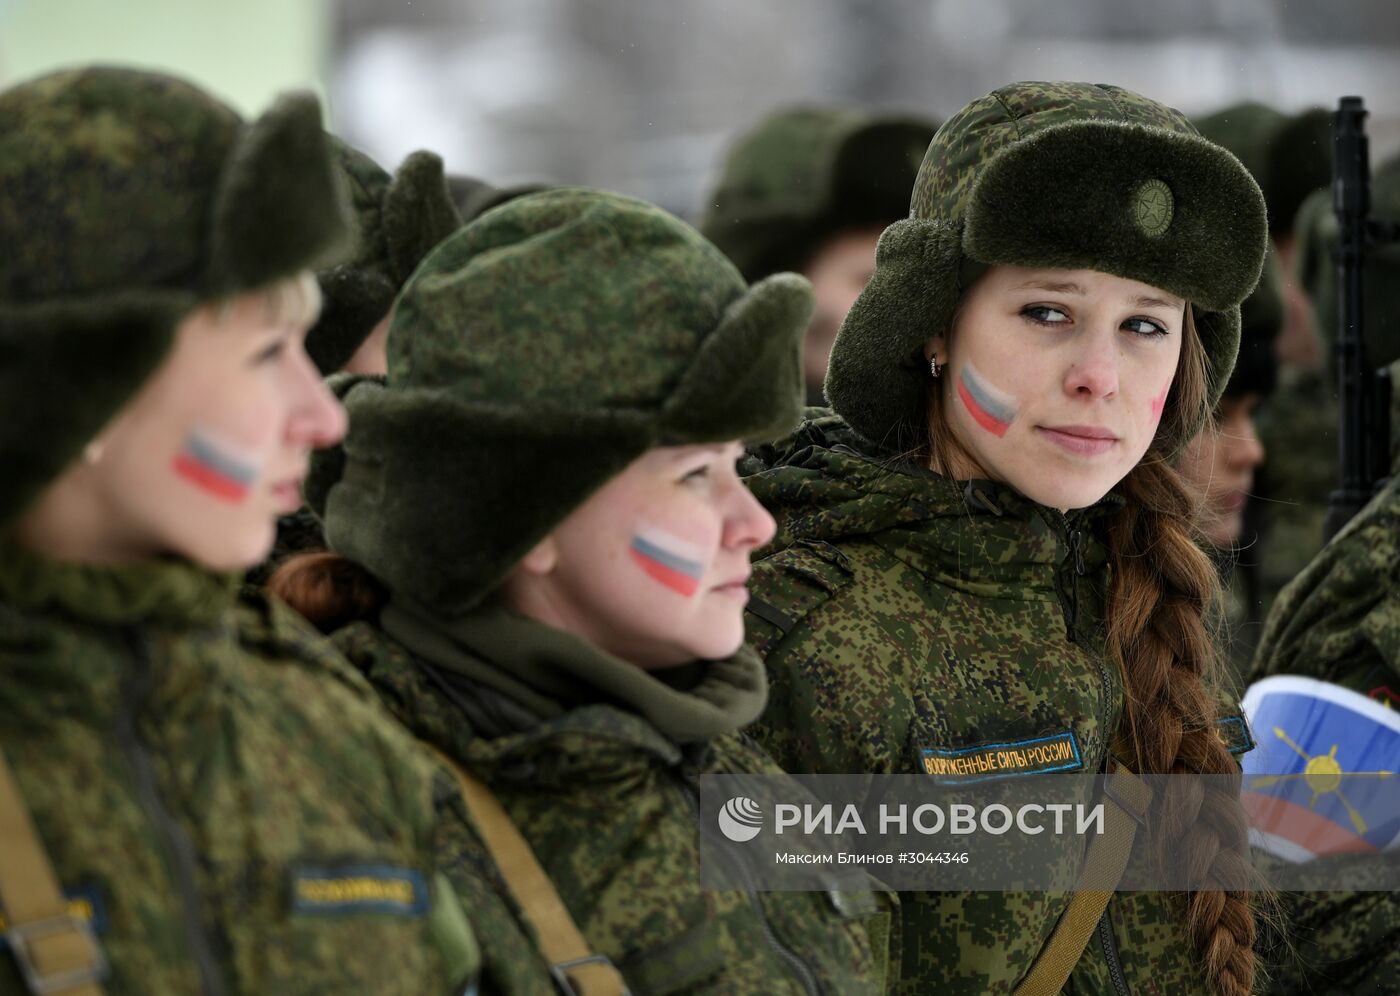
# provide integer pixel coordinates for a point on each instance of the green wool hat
(127, 198)
(1318, 236)
(533, 355)
(1069, 175)
(804, 174)
(398, 219)
(1289, 155)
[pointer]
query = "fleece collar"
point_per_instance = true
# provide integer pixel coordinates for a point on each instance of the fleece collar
(547, 675)
(822, 485)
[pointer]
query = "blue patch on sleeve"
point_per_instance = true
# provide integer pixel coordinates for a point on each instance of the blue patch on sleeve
(1004, 759)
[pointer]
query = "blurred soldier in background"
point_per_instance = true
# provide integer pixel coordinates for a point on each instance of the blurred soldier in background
(810, 190)
(398, 219)
(1221, 462)
(1290, 156)
(227, 798)
(1339, 620)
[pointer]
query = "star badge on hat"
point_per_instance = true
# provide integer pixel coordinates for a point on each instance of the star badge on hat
(1153, 207)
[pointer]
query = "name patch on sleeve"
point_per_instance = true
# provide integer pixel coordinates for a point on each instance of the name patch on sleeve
(1056, 752)
(345, 889)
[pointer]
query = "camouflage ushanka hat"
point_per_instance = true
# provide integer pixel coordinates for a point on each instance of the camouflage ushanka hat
(1289, 155)
(1069, 175)
(532, 356)
(398, 220)
(803, 174)
(127, 198)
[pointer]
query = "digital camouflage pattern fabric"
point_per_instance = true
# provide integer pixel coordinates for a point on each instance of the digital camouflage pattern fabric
(596, 762)
(126, 199)
(900, 612)
(560, 335)
(225, 793)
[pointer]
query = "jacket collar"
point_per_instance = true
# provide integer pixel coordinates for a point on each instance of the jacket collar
(169, 591)
(528, 678)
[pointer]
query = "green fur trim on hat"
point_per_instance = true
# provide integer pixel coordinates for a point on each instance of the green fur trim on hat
(54, 404)
(127, 198)
(278, 170)
(1064, 175)
(533, 355)
(398, 220)
(878, 379)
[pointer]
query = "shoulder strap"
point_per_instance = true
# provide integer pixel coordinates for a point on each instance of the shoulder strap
(56, 952)
(1128, 798)
(576, 970)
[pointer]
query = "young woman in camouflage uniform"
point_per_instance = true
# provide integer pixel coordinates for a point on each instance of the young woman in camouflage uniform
(222, 798)
(545, 495)
(986, 544)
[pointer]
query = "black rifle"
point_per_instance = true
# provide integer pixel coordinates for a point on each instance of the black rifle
(1363, 391)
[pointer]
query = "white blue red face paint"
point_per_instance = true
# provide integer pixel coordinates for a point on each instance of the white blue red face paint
(216, 468)
(668, 559)
(993, 410)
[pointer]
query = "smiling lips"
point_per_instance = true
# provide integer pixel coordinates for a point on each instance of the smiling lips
(1081, 440)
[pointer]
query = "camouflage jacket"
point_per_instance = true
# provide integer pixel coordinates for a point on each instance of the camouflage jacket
(1339, 621)
(219, 794)
(907, 619)
(596, 762)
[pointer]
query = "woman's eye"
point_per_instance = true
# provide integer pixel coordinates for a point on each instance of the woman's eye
(698, 474)
(270, 352)
(1145, 326)
(1045, 315)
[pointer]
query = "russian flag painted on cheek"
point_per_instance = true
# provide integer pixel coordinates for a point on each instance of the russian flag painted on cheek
(668, 559)
(214, 468)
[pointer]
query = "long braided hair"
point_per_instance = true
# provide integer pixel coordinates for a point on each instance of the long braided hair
(1162, 593)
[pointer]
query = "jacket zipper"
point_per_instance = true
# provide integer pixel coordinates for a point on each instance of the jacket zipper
(1110, 954)
(135, 691)
(801, 969)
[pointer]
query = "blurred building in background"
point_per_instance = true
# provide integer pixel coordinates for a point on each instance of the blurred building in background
(643, 95)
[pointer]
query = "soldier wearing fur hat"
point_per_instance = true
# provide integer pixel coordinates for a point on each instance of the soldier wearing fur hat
(543, 495)
(219, 795)
(987, 545)
(810, 190)
(398, 219)
(1290, 155)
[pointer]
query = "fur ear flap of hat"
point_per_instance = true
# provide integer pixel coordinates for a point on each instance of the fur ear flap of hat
(386, 513)
(732, 389)
(880, 384)
(418, 213)
(120, 344)
(399, 220)
(279, 169)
